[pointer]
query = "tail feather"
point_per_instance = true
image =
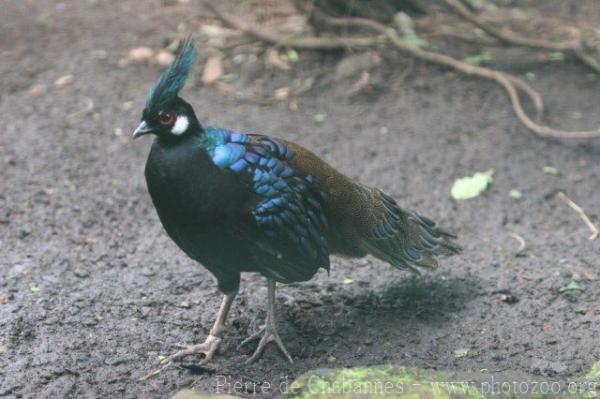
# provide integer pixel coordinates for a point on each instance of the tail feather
(404, 238)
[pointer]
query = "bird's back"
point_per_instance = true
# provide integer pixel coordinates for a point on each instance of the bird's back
(364, 220)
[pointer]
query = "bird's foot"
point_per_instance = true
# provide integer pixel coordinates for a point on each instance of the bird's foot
(267, 334)
(208, 348)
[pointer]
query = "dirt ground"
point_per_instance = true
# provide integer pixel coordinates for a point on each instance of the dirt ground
(92, 291)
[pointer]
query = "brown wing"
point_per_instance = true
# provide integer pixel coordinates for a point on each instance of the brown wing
(365, 220)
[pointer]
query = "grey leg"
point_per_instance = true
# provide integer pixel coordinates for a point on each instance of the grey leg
(268, 333)
(210, 345)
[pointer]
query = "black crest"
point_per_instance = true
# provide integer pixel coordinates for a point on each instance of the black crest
(173, 79)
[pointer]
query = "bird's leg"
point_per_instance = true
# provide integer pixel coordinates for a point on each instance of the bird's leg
(268, 333)
(210, 345)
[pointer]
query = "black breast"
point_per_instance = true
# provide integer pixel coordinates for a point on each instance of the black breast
(202, 208)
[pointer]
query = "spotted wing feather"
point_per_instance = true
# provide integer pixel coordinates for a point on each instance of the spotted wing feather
(287, 208)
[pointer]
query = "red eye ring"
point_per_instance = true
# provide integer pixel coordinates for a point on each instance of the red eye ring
(167, 118)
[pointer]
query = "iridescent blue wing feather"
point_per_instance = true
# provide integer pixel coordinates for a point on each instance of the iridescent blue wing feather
(173, 79)
(289, 209)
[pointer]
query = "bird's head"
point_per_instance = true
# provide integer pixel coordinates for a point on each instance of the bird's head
(167, 115)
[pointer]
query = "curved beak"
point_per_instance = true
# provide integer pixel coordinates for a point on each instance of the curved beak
(142, 129)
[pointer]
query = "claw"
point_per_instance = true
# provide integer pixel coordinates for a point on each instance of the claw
(266, 334)
(208, 348)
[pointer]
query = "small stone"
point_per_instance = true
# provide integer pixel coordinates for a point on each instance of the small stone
(145, 311)
(81, 272)
(508, 298)
(185, 305)
(213, 69)
(332, 359)
(164, 58)
(140, 54)
(36, 89)
(63, 81)
(545, 367)
(148, 272)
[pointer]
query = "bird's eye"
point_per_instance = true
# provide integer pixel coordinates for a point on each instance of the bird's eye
(167, 118)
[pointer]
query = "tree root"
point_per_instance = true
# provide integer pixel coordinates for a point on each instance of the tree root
(582, 215)
(574, 47)
(310, 42)
(510, 83)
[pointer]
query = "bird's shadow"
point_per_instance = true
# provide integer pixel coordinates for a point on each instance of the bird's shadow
(417, 301)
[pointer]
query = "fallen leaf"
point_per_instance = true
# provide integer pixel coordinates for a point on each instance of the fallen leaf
(479, 59)
(283, 93)
(589, 275)
(348, 281)
(461, 352)
(515, 194)
(550, 170)
(273, 59)
(64, 81)
(319, 118)
(355, 64)
(556, 56)
(471, 186)
(292, 55)
(140, 54)
(572, 286)
(213, 69)
(34, 288)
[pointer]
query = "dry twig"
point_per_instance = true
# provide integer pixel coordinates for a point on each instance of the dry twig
(521, 241)
(579, 210)
(510, 83)
(309, 42)
(574, 47)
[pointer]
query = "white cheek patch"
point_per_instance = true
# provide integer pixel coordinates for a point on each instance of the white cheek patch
(181, 125)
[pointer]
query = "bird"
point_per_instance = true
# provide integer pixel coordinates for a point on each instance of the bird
(249, 203)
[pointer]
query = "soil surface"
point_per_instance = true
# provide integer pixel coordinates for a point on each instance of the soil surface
(93, 292)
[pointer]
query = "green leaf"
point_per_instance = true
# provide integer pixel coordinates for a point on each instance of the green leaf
(572, 286)
(479, 59)
(550, 170)
(515, 194)
(415, 41)
(319, 118)
(292, 55)
(471, 186)
(556, 56)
